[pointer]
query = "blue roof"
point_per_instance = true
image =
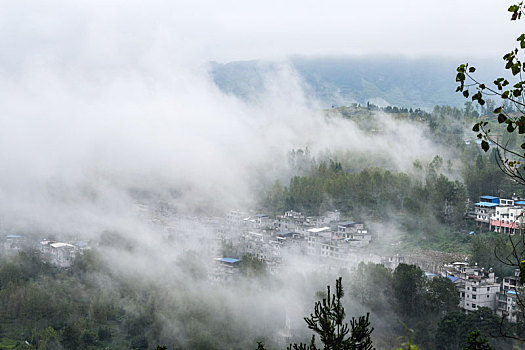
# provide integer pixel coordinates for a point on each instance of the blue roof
(229, 260)
(512, 292)
(453, 278)
(14, 236)
(489, 197)
(520, 202)
(486, 204)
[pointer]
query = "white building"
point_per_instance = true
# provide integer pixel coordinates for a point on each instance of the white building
(13, 244)
(477, 287)
(507, 218)
(58, 253)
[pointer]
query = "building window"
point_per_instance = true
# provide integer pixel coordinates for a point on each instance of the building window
(473, 296)
(473, 289)
(473, 306)
(488, 289)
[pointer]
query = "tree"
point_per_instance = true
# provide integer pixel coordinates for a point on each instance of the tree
(475, 341)
(327, 321)
(409, 284)
(442, 295)
(510, 155)
(511, 94)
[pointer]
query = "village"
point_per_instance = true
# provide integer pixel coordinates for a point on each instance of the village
(327, 240)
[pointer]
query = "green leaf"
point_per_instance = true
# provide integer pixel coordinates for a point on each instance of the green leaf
(472, 70)
(513, 8)
(482, 86)
(521, 129)
(485, 145)
(501, 118)
(475, 127)
(523, 145)
(465, 93)
(498, 110)
(510, 127)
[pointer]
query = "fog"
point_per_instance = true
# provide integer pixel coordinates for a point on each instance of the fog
(100, 113)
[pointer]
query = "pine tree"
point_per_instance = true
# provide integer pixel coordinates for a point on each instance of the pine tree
(328, 322)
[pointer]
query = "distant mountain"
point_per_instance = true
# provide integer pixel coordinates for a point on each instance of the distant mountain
(340, 81)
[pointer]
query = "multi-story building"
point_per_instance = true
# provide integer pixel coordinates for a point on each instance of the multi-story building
(58, 253)
(507, 218)
(501, 215)
(13, 244)
(508, 296)
(476, 286)
(484, 209)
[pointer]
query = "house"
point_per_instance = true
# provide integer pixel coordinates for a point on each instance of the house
(58, 253)
(507, 297)
(13, 244)
(507, 218)
(476, 286)
(483, 210)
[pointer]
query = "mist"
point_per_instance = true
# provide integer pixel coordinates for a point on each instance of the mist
(106, 112)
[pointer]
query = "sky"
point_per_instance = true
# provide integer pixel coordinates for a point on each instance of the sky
(240, 30)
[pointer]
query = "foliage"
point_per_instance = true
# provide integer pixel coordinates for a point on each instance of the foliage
(475, 341)
(374, 192)
(454, 328)
(442, 295)
(328, 322)
(250, 265)
(371, 285)
(408, 344)
(409, 284)
(511, 111)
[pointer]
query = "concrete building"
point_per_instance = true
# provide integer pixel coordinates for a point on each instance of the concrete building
(508, 296)
(58, 253)
(476, 287)
(13, 244)
(507, 218)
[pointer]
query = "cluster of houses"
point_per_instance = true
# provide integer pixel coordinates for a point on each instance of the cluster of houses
(478, 287)
(58, 254)
(501, 215)
(321, 237)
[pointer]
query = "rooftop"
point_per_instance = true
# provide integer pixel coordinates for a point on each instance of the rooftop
(229, 260)
(318, 229)
(60, 245)
(489, 197)
(346, 223)
(453, 278)
(486, 204)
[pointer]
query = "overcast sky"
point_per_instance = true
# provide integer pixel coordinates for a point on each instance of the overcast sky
(65, 31)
